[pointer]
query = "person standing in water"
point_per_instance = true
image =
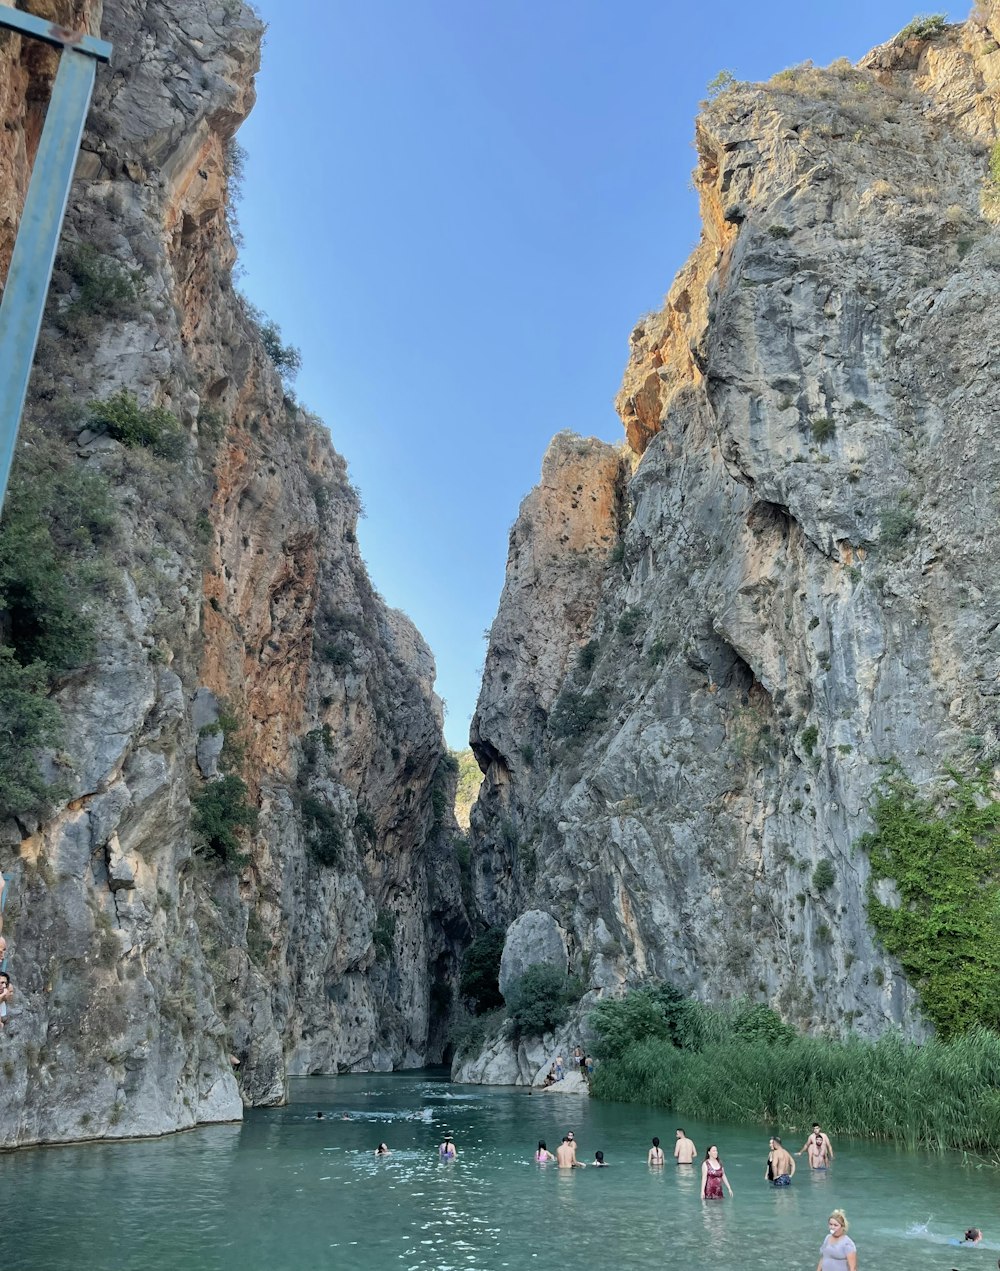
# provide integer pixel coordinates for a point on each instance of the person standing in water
(780, 1166)
(447, 1150)
(566, 1154)
(713, 1176)
(599, 1162)
(684, 1149)
(655, 1154)
(543, 1155)
(838, 1251)
(383, 1150)
(819, 1147)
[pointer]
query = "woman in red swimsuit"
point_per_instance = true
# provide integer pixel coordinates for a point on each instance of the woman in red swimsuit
(713, 1175)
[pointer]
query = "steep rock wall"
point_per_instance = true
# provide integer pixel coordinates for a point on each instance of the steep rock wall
(234, 616)
(805, 588)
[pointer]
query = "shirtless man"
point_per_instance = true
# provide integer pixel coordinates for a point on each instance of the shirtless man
(566, 1154)
(684, 1149)
(819, 1147)
(780, 1166)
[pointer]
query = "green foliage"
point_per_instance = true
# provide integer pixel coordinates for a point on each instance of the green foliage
(221, 811)
(923, 27)
(809, 737)
(575, 714)
(470, 778)
(628, 623)
(539, 1000)
(895, 525)
(823, 428)
(759, 1023)
(587, 656)
(824, 875)
(995, 166)
(153, 428)
(364, 826)
(942, 851)
(323, 830)
(481, 969)
(338, 655)
(104, 289)
(28, 721)
(384, 934)
(940, 1095)
(656, 1011)
(720, 84)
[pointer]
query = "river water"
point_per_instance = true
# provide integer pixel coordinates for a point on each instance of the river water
(285, 1191)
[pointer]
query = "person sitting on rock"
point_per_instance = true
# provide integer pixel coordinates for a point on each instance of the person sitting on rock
(6, 995)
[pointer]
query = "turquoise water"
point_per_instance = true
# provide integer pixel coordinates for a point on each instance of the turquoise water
(285, 1191)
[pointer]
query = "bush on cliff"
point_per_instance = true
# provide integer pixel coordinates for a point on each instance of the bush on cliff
(481, 970)
(153, 428)
(539, 1000)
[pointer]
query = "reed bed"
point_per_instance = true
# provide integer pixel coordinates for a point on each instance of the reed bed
(938, 1095)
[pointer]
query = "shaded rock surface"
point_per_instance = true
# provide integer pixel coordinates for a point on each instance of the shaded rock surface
(236, 619)
(803, 588)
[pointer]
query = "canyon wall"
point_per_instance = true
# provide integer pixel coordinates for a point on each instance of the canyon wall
(680, 759)
(244, 867)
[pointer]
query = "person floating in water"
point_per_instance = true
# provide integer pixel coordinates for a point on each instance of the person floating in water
(684, 1149)
(599, 1162)
(383, 1150)
(447, 1150)
(819, 1147)
(971, 1238)
(543, 1155)
(780, 1166)
(713, 1176)
(655, 1154)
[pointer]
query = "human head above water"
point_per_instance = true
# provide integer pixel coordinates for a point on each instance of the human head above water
(680, 1133)
(973, 1236)
(708, 1153)
(656, 1143)
(599, 1156)
(541, 1146)
(840, 1218)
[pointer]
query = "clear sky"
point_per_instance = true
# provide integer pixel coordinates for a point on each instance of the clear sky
(458, 210)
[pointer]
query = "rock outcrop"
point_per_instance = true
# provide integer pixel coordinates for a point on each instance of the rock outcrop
(805, 587)
(242, 670)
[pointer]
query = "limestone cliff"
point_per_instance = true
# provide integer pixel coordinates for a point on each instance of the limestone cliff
(237, 642)
(805, 587)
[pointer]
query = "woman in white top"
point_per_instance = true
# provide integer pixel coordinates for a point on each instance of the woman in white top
(838, 1251)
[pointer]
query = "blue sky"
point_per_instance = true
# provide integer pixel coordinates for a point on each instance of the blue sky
(458, 211)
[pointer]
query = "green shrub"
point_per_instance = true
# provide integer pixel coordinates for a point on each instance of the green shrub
(221, 812)
(628, 623)
(720, 83)
(995, 165)
(481, 970)
(364, 826)
(823, 428)
(338, 655)
(809, 738)
(575, 714)
(759, 1023)
(323, 831)
(656, 1011)
(154, 428)
(30, 721)
(104, 288)
(384, 934)
(923, 27)
(824, 875)
(895, 525)
(539, 1000)
(942, 851)
(587, 655)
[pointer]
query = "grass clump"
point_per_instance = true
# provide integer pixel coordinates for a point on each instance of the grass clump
(942, 852)
(104, 289)
(742, 1063)
(153, 428)
(823, 428)
(896, 524)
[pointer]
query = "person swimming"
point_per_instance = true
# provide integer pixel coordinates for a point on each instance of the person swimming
(383, 1150)
(599, 1160)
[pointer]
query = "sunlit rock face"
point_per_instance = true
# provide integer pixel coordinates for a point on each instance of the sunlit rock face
(804, 587)
(236, 626)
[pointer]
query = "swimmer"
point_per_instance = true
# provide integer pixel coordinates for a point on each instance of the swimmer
(684, 1149)
(599, 1162)
(566, 1153)
(383, 1150)
(319, 1116)
(543, 1155)
(447, 1150)
(972, 1236)
(655, 1154)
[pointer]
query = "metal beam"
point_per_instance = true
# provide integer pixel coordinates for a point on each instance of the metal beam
(41, 222)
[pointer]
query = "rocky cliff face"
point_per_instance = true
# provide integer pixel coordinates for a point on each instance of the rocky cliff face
(239, 653)
(805, 586)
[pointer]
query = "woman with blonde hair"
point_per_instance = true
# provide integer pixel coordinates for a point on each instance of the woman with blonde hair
(838, 1251)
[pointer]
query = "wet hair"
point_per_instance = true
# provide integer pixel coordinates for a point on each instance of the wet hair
(656, 1143)
(973, 1234)
(599, 1156)
(541, 1146)
(839, 1216)
(382, 1149)
(319, 1116)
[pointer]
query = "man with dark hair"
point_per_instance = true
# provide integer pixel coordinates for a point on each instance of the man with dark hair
(684, 1149)
(780, 1166)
